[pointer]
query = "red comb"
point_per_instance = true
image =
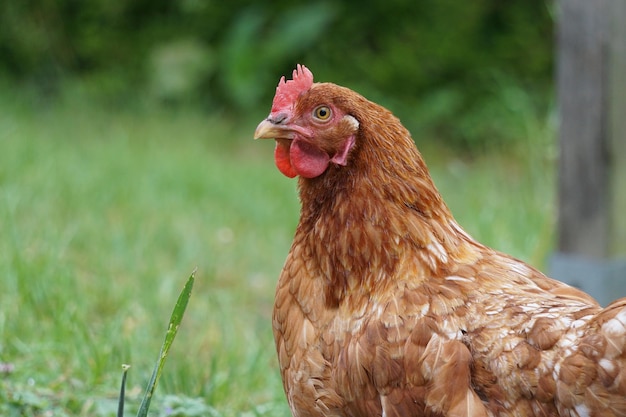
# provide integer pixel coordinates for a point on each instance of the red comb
(288, 91)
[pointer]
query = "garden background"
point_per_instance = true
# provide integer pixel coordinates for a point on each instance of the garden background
(127, 160)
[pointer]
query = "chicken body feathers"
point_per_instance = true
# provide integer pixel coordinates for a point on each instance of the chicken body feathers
(386, 307)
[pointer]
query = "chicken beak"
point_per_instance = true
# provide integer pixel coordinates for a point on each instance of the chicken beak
(267, 129)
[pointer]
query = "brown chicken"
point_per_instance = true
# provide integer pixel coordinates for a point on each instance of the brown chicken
(386, 307)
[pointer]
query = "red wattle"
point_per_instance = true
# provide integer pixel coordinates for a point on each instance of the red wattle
(308, 160)
(300, 158)
(283, 161)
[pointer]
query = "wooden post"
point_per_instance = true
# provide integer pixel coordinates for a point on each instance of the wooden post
(591, 94)
(583, 164)
(617, 130)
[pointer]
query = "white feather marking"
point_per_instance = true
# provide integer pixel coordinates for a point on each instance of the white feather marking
(354, 123)
(568, 340)
(582, 410)
(379, 310)
(614, 327)
(520, 268)
(457, 278)
(565, 322)
(607, 365)
(383, 403)
(436, 249)
(529, 307)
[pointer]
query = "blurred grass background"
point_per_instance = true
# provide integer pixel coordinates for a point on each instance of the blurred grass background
(126, 160)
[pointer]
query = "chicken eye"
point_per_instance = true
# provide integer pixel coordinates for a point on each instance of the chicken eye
(322, 113)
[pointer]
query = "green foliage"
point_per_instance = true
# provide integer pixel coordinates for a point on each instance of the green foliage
(100, 213)
(20, 401)
(435, 63)
(183, 406)
(177, 69)
(252, 48)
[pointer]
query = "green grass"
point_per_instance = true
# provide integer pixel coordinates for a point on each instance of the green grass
(103, 214)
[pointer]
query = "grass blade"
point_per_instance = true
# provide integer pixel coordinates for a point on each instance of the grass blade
(175, 319)
(120, 405)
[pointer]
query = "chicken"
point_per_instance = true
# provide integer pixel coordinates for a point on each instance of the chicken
(386, 307)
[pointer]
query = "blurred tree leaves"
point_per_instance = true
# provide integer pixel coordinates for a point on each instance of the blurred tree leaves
(254, 45)
(434, 62)
(178, 68)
